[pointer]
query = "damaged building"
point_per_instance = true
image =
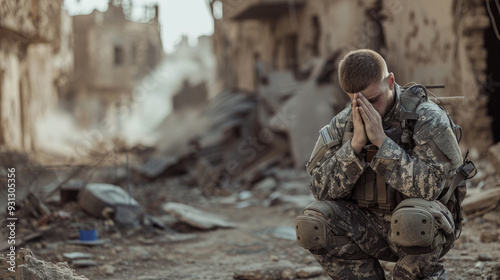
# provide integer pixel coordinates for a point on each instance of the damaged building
(36, 59)
(112, 54)
(447, 42)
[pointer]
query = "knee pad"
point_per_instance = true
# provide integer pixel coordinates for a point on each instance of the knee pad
(311, 227)
(417, 223)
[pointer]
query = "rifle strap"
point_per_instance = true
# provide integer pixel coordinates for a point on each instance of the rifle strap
(463, 173)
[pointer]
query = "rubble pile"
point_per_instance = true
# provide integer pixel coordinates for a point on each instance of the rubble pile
(31, 268)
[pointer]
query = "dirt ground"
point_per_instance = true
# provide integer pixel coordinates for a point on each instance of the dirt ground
(184, 252)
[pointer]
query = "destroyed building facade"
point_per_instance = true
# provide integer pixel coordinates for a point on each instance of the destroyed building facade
(112, 53)
(36, 59)
(448, 42)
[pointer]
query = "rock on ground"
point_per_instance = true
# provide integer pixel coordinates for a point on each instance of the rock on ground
(263, 271)
(197, 218)
(309, 271)
(34, 269)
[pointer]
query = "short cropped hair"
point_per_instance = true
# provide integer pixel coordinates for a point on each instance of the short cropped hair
(358, 69)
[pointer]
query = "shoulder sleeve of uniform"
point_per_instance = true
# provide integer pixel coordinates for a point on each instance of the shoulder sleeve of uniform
(330, 136)
(433, 129)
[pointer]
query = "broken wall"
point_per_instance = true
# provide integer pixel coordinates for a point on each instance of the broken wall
(286, 41)
(441, 42)
(31, 40)
(428, 42)
(112, 54)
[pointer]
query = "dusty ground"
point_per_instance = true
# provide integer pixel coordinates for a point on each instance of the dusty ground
(150, 253)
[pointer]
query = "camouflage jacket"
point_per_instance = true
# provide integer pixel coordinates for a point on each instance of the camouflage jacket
(419, 172)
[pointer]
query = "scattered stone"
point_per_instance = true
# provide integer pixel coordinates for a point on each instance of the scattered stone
(492, 217)
(308, 260)
(244, 195)
(459, 258)
(146, 241)
(496, 272)
(309, 272)
(274, 258)
(479, 265)
(196, 217)
(485, 257)
(180, 237)
(489, 236)
(107, 269)
(263, 271)
(77, 255)
(474, 272)
(34, 269)
(288, 274)
(480, 201)
(264, 188)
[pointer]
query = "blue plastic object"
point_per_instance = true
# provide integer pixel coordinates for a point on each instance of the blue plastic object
(88, 234)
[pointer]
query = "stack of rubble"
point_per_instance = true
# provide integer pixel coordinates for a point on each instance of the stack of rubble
(239, 135)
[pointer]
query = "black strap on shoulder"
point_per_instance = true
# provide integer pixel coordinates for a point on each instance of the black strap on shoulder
(464, 172)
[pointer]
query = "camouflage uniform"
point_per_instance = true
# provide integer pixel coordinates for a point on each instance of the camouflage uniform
(359, 236)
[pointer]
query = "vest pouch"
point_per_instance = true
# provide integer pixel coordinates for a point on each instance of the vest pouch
(366, 190)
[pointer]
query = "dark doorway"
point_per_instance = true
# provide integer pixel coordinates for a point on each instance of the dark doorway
(492, 45)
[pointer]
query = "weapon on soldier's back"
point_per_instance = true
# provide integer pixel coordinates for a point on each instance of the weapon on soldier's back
(447, 100)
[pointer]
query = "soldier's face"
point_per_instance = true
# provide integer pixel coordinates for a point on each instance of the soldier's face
(380, 94)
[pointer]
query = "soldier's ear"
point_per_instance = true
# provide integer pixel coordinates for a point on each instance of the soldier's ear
(391, 81)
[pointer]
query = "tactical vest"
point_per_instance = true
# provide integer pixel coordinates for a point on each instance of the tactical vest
(371, 189)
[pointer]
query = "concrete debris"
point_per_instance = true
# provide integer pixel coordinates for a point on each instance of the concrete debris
(491, 217)
(264, 188)
(309, 272)
(485, 257)
(180, 237)
(244, 195)
(263, 271)
(197, 218)
(488, 236)
(77, 255)
(158, 166)
(34, 269)
(481, 201)
(107, 269)
(289, 274)
(98, 197)
(496, 272)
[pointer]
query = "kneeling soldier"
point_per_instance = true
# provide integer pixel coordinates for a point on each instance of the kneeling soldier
(376, 171)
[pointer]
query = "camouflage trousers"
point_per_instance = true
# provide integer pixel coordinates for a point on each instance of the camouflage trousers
(358, 239)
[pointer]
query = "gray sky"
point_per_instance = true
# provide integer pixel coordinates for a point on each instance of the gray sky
(177, 17)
